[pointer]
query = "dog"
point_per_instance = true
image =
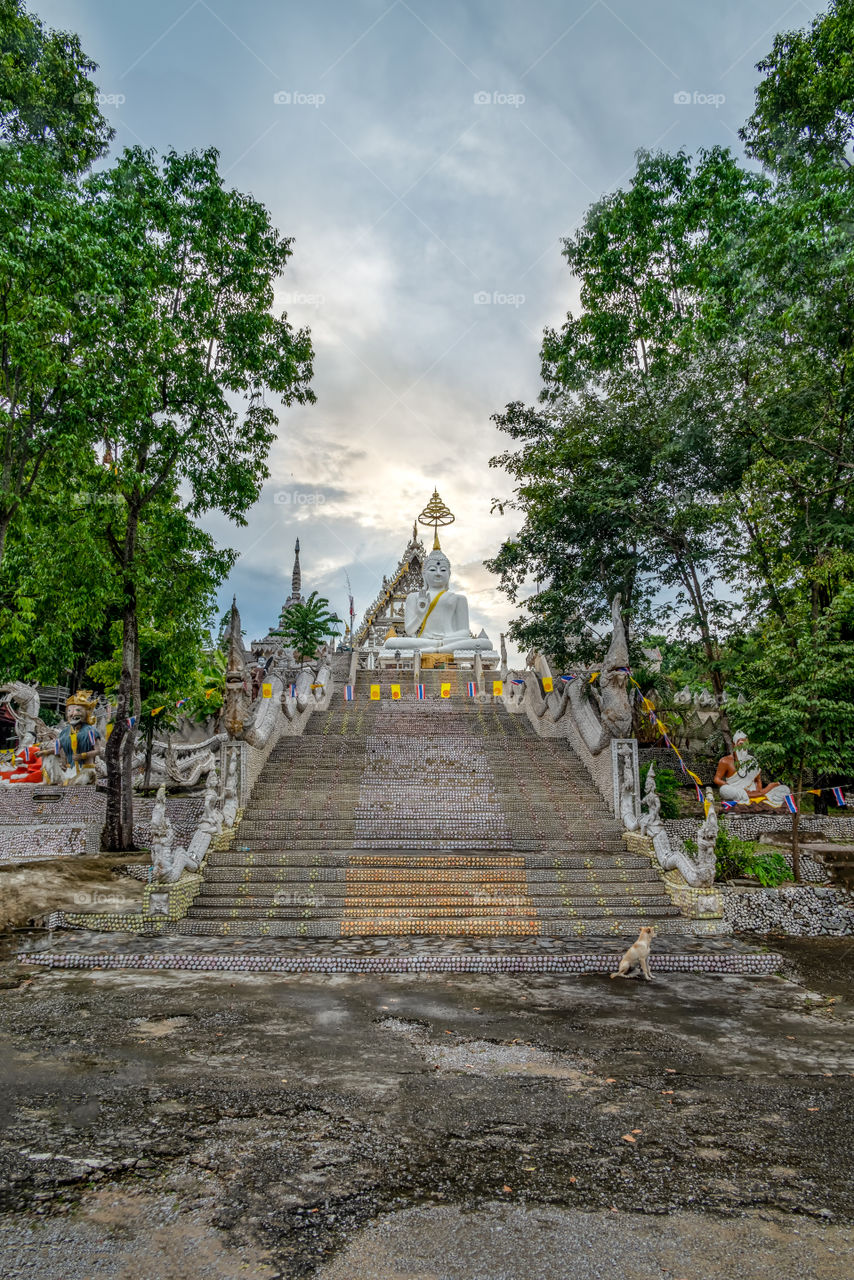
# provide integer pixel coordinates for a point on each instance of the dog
(637, 954)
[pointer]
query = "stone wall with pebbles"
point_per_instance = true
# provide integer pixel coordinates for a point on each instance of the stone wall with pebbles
(751, 963)
(757, 826)
(813, 870)
(57, 822)
(801, 911)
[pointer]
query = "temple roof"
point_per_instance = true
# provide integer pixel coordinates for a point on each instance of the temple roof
(386, 611)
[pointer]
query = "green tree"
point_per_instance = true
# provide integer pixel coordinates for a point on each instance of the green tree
(800, 686)
(623, 469)
(189, 348)
(47, 96)
(805, 101)
(306, 626)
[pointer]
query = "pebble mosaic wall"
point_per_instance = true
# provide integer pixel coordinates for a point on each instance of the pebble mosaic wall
(752, 964)
(800, 911)
(58, 822)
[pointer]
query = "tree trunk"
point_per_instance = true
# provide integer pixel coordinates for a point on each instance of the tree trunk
(149, 748)
(796, 822)
(117, 834)
(5, 521)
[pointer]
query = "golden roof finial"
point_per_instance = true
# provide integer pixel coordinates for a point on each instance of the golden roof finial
(437, 515)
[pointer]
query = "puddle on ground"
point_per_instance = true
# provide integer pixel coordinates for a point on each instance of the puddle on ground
(160, 1026)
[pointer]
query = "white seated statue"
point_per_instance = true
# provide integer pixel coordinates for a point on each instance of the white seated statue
(435, 619)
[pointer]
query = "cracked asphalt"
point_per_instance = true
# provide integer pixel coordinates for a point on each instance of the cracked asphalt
(168, 1124)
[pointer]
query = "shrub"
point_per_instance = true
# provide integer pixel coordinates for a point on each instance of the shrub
(735, 858)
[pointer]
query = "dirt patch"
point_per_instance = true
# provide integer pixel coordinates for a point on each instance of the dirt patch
(31, 890)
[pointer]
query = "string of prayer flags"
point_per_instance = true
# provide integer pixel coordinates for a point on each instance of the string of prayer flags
(790, 804)
(181, 702)
(593, 676)
(395, 693)
(348, 693)
(569, 679)
(131, 721)
(728, 804)
(517, 681)
(497, 688)
(472, 687)
(548, 684)
(839, 797)
(419, 692)
(446, 691)
(375, 693)
(210, 693)
(155, 711)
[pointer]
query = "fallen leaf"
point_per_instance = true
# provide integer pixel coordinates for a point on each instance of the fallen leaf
(670, 1071)
(528, 1168)
(506, 1188)
(449, 1033)
(627, 1137)
(812, 1108)
(637, 1130)
(573, 1179)
(829, 1074)
(790, 1037)
(314, 1211)
(611, 1080)
(666, 1090)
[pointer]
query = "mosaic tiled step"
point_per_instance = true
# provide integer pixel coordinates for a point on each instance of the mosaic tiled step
(444, 818)
(622, 926)
(453, 916)
(594, 961)
(414, 860)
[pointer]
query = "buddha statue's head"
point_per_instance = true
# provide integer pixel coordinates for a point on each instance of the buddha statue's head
(437, 571)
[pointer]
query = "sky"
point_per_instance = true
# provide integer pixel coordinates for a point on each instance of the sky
(427, 158)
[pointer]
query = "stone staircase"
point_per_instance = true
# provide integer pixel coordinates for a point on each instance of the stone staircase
(447, 816)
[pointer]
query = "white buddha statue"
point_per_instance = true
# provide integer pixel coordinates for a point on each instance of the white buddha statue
(435, 619)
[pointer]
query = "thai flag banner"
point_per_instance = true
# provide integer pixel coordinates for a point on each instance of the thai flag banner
(348, 693)
(517, 681)
(839, 797)
(790, 804)
(729, 804)
(180, 702)
(293, 691)
(699, 793)
(472, 688)
(569, 679)
(419, 690)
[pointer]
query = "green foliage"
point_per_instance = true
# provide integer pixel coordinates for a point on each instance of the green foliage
(805, 103)
(736, 859)
(667, 785)
(305, 626)
(46, 95)
(800, 709)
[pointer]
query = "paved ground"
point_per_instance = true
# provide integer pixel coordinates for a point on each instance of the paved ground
(433, 1128)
